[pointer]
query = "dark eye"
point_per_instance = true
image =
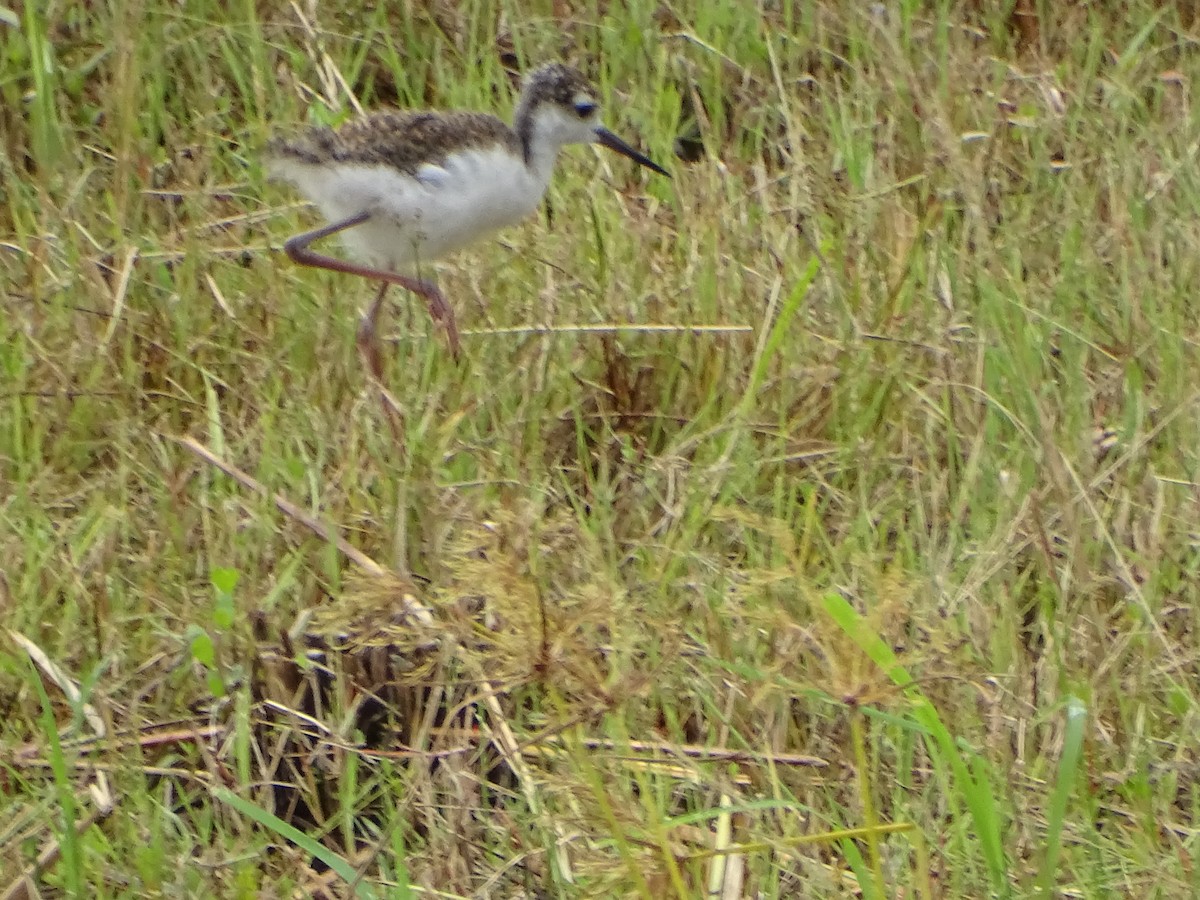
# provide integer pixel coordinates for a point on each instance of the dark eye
(585, 108)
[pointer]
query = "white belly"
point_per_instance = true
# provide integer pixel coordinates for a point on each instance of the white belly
(419, 219)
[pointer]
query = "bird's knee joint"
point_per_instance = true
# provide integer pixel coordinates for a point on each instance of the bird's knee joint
(294, 248)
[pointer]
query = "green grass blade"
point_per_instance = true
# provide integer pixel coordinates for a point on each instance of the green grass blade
(64, 790)
(971, 778)
(1064, 787)
(290, 833)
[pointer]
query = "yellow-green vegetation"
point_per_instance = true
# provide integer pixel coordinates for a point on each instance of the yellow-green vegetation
(819, 522)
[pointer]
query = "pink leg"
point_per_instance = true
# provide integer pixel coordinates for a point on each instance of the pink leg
(297, 249)
(367, 339)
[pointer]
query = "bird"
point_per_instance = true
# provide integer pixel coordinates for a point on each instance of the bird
(405, 188)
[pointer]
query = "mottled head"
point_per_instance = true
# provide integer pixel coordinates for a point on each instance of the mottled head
(557, 107)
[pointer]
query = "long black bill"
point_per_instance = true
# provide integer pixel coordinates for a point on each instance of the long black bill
(612, 142)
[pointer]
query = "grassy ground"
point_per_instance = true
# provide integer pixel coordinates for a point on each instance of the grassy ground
(882, 583)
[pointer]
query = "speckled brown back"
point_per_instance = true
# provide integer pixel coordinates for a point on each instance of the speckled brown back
(402, 140)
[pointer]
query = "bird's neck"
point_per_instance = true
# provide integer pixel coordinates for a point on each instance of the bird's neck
(540, 151)
(540, 157)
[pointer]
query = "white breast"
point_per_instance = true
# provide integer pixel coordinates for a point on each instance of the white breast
(419, 219)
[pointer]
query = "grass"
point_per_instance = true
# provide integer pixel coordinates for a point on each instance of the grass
(872, 575)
